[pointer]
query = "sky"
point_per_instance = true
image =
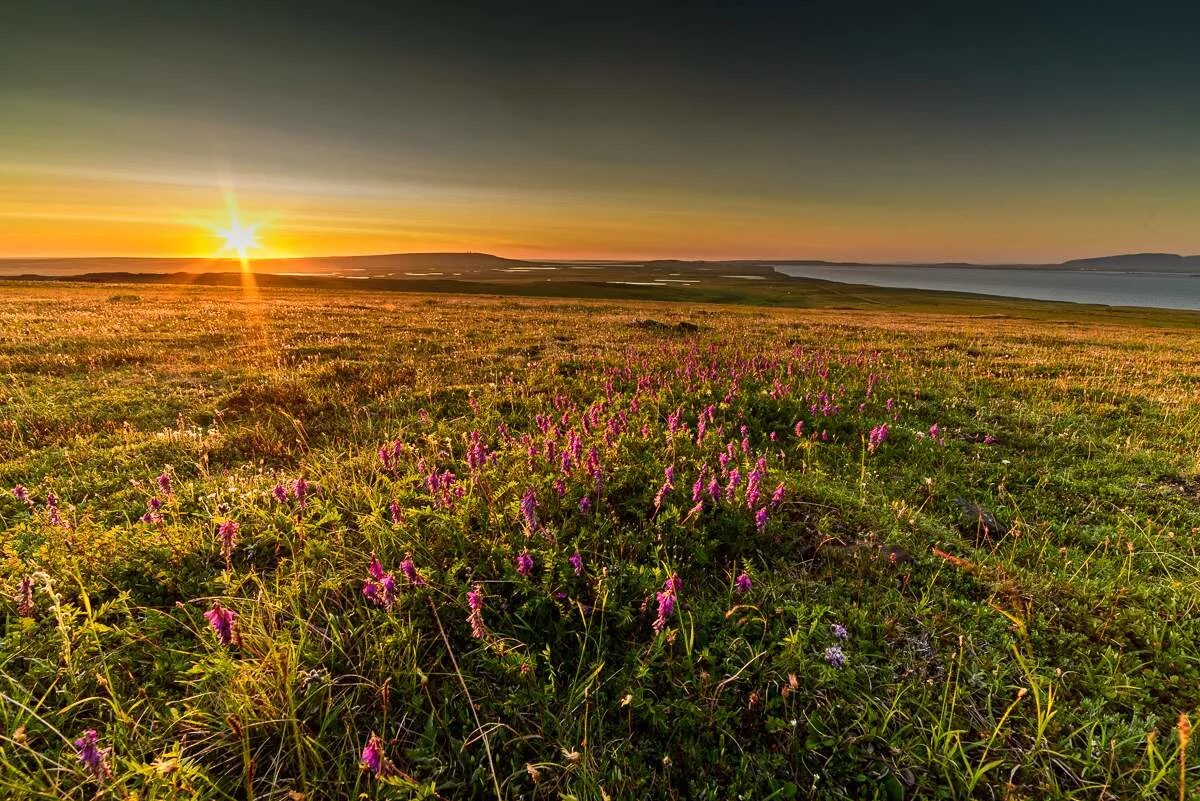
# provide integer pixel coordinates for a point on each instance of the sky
(990, 132)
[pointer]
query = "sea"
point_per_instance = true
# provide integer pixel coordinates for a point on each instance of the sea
(1154, 290)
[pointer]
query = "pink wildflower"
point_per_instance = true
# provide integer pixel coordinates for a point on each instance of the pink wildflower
(879, 435)
(666, 607)
(224, 624)
(94, 758)
(475, 616)
(227, 533)
(373, 758)
(410, 572)
(743, 583)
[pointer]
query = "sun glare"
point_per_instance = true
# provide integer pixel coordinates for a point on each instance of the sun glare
(239, 239)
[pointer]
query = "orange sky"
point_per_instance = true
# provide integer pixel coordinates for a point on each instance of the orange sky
(63, 214)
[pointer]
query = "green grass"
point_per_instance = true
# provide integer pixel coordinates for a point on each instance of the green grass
(1052, 660)
(610, 282)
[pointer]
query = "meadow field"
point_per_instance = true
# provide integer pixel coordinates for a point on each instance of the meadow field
(325, 543)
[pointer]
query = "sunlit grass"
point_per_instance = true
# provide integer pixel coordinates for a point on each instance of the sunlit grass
(1052, 660)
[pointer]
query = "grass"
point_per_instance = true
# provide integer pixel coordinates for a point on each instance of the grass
(1049, 656)
(626, 282)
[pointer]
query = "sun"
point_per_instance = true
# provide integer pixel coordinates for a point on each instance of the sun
(239, 238)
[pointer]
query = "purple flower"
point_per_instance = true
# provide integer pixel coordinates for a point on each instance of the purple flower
(224, 623)
(396, 512)
(667, 486)
(380, 586)
(777, 496)
(524, 564)
(935, 433)
(666, 601)
(52, 511)
(280, 493)
(410, 572)
(666, 607)
(373, 758)
(835, 656)
(300, 490)
(989, 440)
(760, 519)
(585, 505)
(754, 482)
(529, 510)
(94, 758)
(477, 452)
(164, 483)
(879, 435)
(22, 495)
(475, 616)
(227, 533)
(24, 597)
(735, 478)
(576, 563)
(840, 632)
(743, 583)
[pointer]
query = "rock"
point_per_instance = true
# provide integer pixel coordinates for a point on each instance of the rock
(980, 523)
(894, 554)
(658, 326)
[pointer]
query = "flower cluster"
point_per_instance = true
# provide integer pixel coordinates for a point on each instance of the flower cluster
(879, 435)
(297, 491)
(24, 597)
(91, 755)
(379, 586)
(529, 511)
(475, 614)
(21, 494)
(224, 624)
(666, 602)
(227, 533)
(743, 583)
(409, 569)
(835, 656)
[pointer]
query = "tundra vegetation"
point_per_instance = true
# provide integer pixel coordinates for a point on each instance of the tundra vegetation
(334, 544)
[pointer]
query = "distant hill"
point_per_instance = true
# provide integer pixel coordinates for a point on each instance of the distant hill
(431, 265)
(341, 265)
(1139, 263)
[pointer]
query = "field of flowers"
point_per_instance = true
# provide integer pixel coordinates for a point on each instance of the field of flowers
(356, 544)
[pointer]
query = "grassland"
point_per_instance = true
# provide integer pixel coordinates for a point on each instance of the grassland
(737, 283)
(626, 549)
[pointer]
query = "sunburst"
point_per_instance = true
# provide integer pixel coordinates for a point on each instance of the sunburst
(239, 238)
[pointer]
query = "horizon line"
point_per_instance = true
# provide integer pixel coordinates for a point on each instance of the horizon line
(628, 260)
